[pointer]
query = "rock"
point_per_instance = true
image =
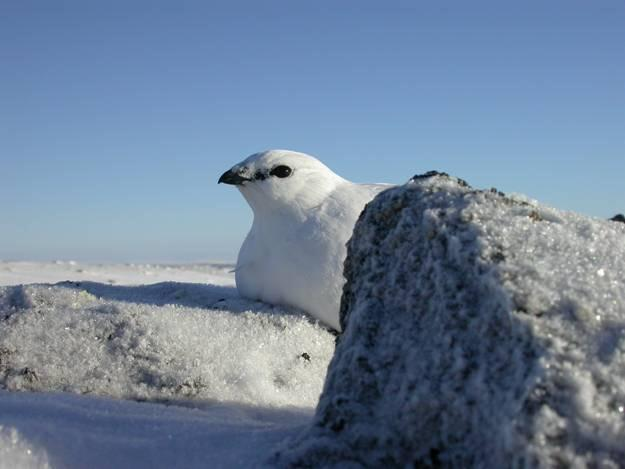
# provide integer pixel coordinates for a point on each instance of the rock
(618, 217)
(479, 330)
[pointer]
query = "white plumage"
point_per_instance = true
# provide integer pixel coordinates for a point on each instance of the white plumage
(304, 214)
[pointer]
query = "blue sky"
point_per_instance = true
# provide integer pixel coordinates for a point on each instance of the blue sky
(117, 117)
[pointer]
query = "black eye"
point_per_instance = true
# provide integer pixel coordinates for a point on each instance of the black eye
(281, 171)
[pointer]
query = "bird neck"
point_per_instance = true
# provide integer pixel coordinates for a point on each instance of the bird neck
(278, 214)
(295, 206)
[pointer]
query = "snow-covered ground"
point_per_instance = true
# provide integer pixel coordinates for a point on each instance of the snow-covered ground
(15, 273)
(148, 366)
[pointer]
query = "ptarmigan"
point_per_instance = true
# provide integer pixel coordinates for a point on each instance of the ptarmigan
(304, 214)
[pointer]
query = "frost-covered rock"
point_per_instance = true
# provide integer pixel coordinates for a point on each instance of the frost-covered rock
(168, 342)
(479, 330)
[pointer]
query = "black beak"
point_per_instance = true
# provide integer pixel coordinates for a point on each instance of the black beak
(232, 178)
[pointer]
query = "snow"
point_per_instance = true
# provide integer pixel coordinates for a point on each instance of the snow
(169, 374)
(479, 330)
(17, 273)
(64, 430)
(16, 451)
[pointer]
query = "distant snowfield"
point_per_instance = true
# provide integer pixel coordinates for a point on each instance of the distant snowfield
(148, 366)
(16, 273)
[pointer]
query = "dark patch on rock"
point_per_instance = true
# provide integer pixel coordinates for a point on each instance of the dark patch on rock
(5, 355)
(498, 256)
(29, 374)
(433, 173)
(429, 174)
(18, 379)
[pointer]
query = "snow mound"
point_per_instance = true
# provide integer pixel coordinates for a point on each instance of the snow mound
(480, 330)
(171, 342)
(17, 452)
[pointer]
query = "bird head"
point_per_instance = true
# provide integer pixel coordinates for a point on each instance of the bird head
(282, 180)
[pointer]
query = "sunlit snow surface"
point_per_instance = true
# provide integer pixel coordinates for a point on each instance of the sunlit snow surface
(178, 373)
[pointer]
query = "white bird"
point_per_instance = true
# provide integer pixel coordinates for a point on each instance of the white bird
(304, 214)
